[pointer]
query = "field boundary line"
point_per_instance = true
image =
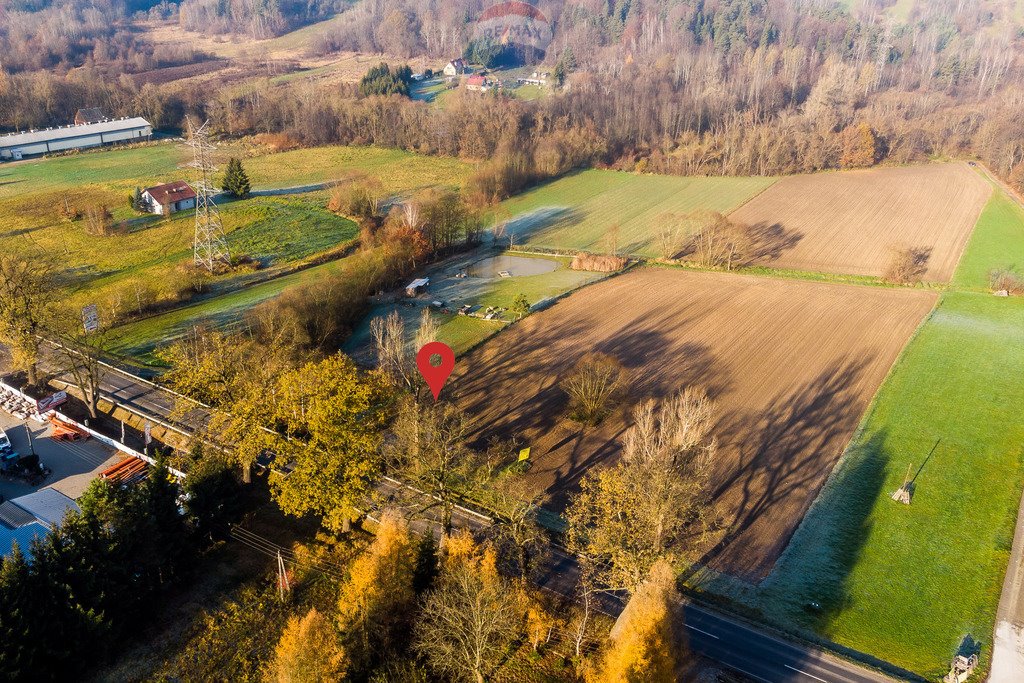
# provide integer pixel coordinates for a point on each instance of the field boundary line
(775, 179)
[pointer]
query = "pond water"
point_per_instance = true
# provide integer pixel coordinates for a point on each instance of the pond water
(515, 265)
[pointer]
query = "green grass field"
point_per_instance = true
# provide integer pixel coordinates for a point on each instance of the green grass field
(277, 231)
(576, 211)
(908, 584)
(138, 340)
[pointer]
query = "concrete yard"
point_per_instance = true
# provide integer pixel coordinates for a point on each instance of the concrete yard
(74, 465)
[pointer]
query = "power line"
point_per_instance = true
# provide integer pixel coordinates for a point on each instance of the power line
(277, 547)
(274, 551)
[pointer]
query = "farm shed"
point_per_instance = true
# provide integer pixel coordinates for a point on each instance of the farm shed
(14, 146)
(89, 115)
(168, 198)
(416, 286)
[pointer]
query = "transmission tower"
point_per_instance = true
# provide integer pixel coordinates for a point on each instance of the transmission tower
(209, 246)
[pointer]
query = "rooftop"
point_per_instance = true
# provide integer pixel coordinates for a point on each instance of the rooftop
(171, 192)
(62, 132)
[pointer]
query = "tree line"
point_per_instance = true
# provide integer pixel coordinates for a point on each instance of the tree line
(68, 598)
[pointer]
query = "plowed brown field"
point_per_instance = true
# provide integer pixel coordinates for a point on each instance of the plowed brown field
(848, 222)
(792, 365)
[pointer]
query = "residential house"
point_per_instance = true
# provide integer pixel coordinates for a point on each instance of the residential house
(168, 198)
(454, 68)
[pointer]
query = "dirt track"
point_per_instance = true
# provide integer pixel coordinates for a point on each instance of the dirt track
(791, 364)
(849, 222)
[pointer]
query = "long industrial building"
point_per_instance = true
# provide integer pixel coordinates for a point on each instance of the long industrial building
(14, 146)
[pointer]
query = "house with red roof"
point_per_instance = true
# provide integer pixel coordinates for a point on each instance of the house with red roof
(168, 198)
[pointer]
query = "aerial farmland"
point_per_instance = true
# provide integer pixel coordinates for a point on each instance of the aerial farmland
(784, 422)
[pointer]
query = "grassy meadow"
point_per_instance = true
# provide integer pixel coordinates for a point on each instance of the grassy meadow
(138, 340)
(908, 584)
(577, 210)
(147, 252)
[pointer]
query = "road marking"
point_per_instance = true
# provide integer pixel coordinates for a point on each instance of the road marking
(805, 673)
(698, 630)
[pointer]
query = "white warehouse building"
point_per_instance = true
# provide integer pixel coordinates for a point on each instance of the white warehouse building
(14, 146)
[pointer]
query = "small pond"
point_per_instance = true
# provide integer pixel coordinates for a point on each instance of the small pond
(515, 266)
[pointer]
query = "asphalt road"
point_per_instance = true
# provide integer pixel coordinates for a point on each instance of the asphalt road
(752, 652)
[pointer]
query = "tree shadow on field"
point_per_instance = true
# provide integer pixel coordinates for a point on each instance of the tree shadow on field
(782, 455)
(515, 389)
(768, 241)
(526, 225)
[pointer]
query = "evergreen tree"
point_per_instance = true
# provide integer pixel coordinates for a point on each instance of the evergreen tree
(236, 181)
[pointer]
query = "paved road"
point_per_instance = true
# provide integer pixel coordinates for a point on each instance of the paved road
(750, 651)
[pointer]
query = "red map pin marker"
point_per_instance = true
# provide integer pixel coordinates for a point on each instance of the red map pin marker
(436, 375)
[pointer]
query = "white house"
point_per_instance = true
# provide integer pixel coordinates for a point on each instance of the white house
(14, 146)
(456, 67)
(169, 198)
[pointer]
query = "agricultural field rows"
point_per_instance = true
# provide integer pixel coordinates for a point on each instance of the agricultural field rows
(577, 210)
(782, 425)
(908, 584)
(850, 222)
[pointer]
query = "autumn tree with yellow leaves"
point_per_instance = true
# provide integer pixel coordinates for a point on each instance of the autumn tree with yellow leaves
(642, 646)
(309, 652)
(628, 517)
(378, 598)
(330, 416)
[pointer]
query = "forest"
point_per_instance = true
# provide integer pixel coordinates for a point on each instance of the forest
(737, 87)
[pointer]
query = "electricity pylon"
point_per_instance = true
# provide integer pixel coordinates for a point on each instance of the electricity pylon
(209, 246)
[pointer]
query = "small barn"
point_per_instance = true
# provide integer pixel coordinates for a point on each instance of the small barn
(169, 198)
(89, 115)
(416, 286)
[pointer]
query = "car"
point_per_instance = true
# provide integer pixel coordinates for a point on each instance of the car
(5, 444)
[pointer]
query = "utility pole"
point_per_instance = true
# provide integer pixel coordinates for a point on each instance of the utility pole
(282, 577)
(31, 445)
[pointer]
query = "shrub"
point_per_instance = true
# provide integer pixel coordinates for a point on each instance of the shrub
(1006, 280)
(602, 263)
(593, 386)
(278, 142)
(907, 265)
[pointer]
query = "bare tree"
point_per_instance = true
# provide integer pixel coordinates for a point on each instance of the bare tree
(426, 332)
(428, 450)
(392, 357)
(516, 504)
(468, 621)
(627, 517)
(593, 386)
(585, 592)
(27, 287)
(80, 354)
